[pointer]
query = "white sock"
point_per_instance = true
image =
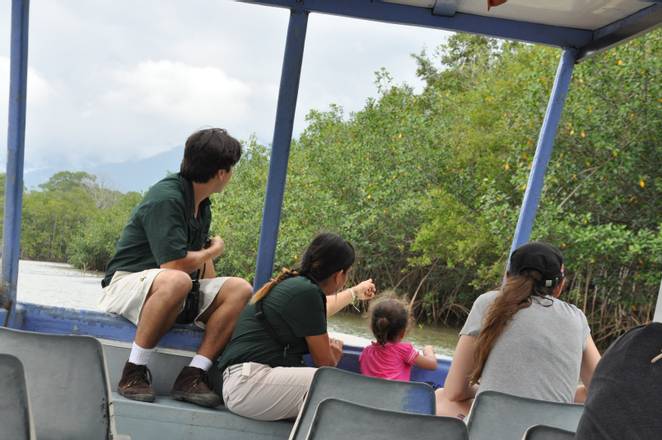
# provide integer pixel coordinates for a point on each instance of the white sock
(200, 362)
(139, 355)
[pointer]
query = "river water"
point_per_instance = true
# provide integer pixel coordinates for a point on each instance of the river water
(61, 285)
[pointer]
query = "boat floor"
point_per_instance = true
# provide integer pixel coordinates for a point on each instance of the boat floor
(170, 419)
(167, 418)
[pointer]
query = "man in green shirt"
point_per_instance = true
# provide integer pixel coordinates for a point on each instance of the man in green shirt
(163, 246)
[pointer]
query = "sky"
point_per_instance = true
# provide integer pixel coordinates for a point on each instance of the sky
(118, 82)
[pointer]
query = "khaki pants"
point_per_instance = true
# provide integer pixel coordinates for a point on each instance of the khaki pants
(261, 392)
(127, 291)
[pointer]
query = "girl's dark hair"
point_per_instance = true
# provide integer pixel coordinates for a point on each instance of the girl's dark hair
(516, 293)
(327, 254)
(208, 151)
(389, 318)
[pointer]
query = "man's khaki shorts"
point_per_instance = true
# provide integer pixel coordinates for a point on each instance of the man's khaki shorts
(261, 392)
(127, 291)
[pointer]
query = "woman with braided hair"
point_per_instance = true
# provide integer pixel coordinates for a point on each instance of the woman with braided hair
(522, 339)
(261, 374)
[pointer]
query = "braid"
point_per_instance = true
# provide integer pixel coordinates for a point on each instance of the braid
(284, 274)
(381, 329)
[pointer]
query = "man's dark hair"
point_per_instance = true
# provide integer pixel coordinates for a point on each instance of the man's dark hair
(208, 151)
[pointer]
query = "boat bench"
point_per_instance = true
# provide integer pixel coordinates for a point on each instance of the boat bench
(165, 418)
(361, 422)
(15, 408)
(410, 397)
(500, 415)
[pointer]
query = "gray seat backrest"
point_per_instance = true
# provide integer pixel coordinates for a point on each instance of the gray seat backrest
(67, 383)
(542, 432)
(412, 397)
(338, 419)
(499, 415)
(15, 411)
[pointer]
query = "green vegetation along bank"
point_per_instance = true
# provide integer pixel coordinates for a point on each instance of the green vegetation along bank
(428, 185)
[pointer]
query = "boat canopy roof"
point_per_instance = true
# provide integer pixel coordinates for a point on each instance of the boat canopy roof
(586, 25)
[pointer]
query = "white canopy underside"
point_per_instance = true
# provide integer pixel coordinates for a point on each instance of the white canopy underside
(580, 14)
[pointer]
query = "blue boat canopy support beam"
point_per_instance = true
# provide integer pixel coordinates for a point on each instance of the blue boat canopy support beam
(623, 30)
(18, 77)
(558, 36)
(280, 147)
(544, 149)
(443, 15)
(657, 317)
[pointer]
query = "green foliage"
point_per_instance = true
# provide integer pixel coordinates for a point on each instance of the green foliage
(73, 218)
(238, 210)
(52, 216)
(428, 186)
(94, 245)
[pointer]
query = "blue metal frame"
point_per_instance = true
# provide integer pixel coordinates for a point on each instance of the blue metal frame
(18, 77)
(544, 148)
(411, 15)
(62, 321)
(447, 8)
(622, 30)
(443, 15)
(657, 317)
(280, 148)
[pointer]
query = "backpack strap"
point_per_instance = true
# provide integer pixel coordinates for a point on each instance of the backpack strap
(259, 314)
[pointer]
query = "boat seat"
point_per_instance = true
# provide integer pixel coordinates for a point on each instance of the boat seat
(338, 419)
(412, 397)
(15, 411)
(66, 382)
(499, 415)
(543, 432)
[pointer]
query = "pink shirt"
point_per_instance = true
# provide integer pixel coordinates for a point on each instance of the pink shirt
(388, 361)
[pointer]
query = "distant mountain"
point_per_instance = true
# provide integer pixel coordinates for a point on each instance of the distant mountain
(135, 175)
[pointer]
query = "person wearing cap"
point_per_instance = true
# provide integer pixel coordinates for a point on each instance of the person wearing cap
(522, 339)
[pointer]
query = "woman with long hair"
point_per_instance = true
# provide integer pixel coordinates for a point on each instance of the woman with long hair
(522, 339)
(261, 373)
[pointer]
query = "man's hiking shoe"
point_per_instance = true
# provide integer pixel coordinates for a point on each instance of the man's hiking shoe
(192, 385)
(136, 383)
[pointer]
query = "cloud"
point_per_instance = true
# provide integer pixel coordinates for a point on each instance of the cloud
(39, 89)
(179, 92)
(115, 81)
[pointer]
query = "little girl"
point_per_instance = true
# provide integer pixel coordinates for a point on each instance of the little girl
(389, 357)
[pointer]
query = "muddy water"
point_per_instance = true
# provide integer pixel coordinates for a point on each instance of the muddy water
(442, 339)
(61, 285)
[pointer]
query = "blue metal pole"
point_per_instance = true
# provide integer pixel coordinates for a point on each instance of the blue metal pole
(280, 148)
(657, 316)
(544, 148)
(18, 77)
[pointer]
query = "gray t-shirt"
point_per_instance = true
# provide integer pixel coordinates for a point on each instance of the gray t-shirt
(539, 353)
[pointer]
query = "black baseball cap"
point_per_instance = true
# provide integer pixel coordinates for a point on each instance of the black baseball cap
(539, 256)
